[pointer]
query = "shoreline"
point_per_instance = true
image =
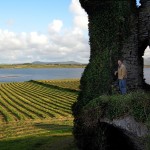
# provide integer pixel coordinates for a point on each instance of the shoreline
(47, 66)
(147, 66)
(41, 66)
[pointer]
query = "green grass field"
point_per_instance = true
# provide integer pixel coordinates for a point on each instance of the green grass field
(72, 84)
(36, 116)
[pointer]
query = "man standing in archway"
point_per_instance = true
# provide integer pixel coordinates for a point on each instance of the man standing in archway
(122, 76)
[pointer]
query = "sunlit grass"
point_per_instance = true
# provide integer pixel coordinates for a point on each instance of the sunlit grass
(36, 117)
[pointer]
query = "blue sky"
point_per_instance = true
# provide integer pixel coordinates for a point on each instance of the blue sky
(138, 2)
(43, 30)
(33, 15)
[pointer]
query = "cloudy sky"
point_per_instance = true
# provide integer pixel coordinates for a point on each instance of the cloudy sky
(43, 30)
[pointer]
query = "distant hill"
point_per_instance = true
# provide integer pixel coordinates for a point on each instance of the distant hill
(64, 63)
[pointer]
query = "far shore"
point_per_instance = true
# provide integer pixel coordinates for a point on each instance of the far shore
(147, 66)
(40, 66)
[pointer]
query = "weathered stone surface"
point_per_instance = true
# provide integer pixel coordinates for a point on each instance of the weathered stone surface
(129, 124)
(134, 48)
(131, 49)
(131, 128)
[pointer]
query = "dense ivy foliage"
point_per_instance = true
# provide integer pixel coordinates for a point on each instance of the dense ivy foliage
(110, 25)
(134, 104)
(109, 28)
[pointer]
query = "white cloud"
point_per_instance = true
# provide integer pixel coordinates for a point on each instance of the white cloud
(55, 26)
(28, 47)
(147, 53)
(76, 8)
(37, 39)
(80, 16)
(81, 22)
(58, 44)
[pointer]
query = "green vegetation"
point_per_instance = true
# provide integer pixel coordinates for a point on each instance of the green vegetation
(20, 66)
(37, 135)
(23, 101)
(71, 84)
(35, 116)
(109, 28)
(135, 104)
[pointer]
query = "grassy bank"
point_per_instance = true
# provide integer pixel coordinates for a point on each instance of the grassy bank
(134, 104)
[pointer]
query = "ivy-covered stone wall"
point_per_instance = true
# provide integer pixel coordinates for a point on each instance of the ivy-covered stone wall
(116, 32)
(112, 26)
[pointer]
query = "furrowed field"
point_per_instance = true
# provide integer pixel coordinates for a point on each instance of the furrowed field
(37, 115)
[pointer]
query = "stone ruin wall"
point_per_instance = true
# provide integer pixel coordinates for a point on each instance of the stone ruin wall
(135, 46)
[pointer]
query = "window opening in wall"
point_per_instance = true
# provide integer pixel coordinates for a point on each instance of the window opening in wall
(146, 69)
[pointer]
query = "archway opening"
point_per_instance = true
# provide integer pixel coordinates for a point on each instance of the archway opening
(116, 139)
(146, 69)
